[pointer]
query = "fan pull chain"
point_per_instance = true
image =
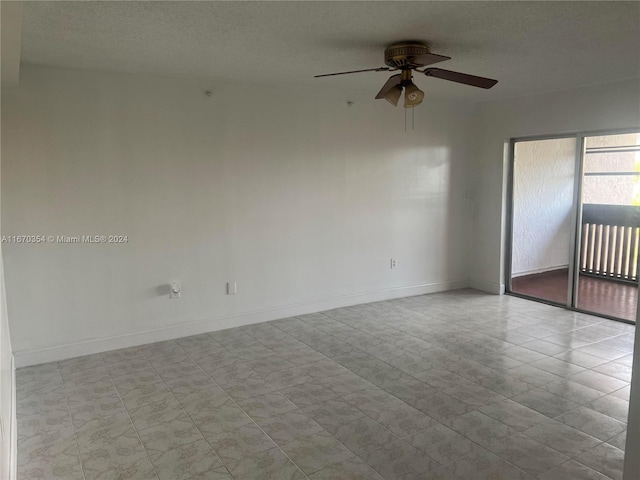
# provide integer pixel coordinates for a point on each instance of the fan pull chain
(413, 118)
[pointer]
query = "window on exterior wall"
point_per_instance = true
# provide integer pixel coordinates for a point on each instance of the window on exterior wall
(578, 248)
(611, 207)
(612, 170)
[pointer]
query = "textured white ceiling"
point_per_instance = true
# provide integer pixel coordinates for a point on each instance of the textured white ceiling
(530, 47)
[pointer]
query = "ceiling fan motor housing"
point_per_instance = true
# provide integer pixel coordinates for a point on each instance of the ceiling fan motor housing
(399, 54)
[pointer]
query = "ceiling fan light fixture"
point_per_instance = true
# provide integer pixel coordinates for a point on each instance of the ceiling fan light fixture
(412, 95)
(393, 95)
(407, 57)
(391, 91)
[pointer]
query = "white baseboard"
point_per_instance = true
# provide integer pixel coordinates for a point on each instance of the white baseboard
(489, 287)
(88, 347)
(539, 270)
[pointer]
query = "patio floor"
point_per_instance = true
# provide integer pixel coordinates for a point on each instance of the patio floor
(600, 296)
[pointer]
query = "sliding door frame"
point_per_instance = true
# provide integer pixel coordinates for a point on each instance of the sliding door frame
(510, 216)
(576, 219)
(576, 216)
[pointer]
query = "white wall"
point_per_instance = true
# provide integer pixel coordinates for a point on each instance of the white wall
(8, 434)
(298, 197)
(594, 108)
(10, 42)
(7, 391)
(542, 204)
(10, 30)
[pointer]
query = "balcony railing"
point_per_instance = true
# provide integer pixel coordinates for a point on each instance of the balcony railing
(610, 241)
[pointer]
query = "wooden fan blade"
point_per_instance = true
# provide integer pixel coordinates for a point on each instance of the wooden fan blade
(467, 79)
(428, 59)
(379, 69)
(389, 84)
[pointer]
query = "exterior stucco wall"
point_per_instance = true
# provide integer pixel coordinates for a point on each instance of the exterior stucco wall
(543, 197)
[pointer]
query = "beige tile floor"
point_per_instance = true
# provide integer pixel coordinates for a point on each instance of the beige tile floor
(457, 385)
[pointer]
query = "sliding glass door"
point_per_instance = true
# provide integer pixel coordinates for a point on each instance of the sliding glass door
(607, 280)
(575, 222)
(543, 197)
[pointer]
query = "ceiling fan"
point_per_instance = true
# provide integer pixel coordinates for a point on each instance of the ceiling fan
(408, 57)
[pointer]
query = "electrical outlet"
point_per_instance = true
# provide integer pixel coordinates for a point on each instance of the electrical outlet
(175, 289)
(393, 263)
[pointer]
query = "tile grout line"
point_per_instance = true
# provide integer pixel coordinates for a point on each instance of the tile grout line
(409, 374)
(299, 409)
(356, 455)
(446, 467)
(222, 388)
(507, 370)
(183, 410)
(75, 436)
(155, 471)
(241, 409)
